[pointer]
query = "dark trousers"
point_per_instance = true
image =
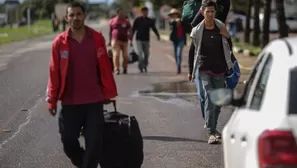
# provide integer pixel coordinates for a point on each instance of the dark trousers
(89, 117)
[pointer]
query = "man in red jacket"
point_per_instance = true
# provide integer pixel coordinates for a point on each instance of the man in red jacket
(80, 77)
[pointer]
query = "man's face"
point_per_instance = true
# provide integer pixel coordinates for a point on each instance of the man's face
(121, 14)
(209, 13)
(145, 13)
(75, 17)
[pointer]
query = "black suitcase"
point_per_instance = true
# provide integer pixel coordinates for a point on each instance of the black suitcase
(122, 141)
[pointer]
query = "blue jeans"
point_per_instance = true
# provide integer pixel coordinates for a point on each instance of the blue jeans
(178, 50)
(233, 29)
(143, 48)
(208, 83)
(200, 93)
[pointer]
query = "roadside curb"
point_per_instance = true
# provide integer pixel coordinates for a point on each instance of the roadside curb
(242, 68)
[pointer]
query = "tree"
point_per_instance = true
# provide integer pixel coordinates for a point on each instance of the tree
(256, 38)
(266, 23)
(247, 24)
(281, 19)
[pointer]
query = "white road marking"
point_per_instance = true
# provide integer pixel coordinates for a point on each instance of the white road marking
(27, 121)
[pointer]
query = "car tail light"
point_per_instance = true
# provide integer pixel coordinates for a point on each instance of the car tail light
(277, 149)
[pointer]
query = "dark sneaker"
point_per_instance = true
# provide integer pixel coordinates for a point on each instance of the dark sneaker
(179, 70)
(141, 70)
(218, 135)
(125, 71)
(145, 70)
(212, 139)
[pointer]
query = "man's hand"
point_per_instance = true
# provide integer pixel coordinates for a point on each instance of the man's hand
(53, 111)
(190, 77)
(106, 101)
(224, 32)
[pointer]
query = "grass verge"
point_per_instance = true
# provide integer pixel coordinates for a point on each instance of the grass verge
(39, 28)
(255, 51)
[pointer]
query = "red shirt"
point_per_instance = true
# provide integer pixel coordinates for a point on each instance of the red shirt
(120, 29)
(180, 31)
(60, 63)
(82, 81)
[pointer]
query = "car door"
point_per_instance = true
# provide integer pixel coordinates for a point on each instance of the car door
(237, 138)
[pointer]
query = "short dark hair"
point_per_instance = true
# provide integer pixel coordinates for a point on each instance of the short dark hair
(76, 5)
(144, 9)
(118, 10)
(208, 3)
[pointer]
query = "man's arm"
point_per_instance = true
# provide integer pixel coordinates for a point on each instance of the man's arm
(54, 77)
(153, 26)
(130, 32)
(192, 51)
(134, 27)
(224, 32)
(110, 32)
(105, 70)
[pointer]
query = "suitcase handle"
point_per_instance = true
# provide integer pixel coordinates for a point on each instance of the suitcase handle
(114, 103)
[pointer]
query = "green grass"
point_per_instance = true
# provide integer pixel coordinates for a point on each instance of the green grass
(39, 28)
(253, 49)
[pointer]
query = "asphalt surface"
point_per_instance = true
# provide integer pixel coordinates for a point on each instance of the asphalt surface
(172, 128)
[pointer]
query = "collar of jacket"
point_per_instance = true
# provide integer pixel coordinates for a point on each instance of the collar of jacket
(197, 39)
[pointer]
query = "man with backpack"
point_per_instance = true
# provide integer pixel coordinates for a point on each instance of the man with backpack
(212, 60)
(193, 15)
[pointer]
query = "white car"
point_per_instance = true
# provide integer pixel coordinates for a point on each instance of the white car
(262, 131)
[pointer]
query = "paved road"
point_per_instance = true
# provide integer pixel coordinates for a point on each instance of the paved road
(172, 128)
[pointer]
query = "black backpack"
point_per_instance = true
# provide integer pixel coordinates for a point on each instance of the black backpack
(122, 142)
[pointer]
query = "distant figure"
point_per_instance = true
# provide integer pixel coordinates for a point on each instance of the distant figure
(232, 24)
(120, 32)
(64, 22)
(142, 26)
(55, 22)
(177, 36)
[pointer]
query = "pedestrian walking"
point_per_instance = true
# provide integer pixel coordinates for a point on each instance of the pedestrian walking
(222, 10)
(55, 22)
(141, 27)
(212, 60)
(119, 35)
(177, 36)
(80, 77)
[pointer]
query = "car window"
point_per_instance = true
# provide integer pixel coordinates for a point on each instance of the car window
(251, 79)
(293, 92)
(261, 85)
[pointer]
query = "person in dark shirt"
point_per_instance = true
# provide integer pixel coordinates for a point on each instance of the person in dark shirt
(222, 7)
(141, 27)
(212, 60)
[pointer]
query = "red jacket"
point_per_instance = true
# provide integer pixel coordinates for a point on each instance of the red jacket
(59, 65)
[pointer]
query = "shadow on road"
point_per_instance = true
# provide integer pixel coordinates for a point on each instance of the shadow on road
(172, 139)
